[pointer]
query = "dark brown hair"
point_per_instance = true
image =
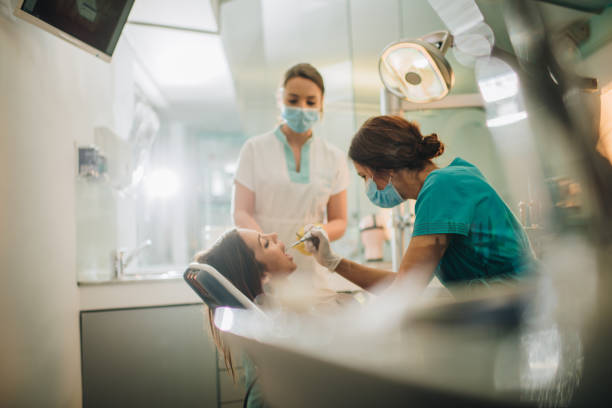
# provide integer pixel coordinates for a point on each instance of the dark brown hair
(305, 70)
(392, 143)
(231, 256)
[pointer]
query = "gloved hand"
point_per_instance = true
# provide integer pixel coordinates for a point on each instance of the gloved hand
(301, 247)
(322, 253)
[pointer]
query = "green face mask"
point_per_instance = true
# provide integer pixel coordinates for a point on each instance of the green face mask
(298, 119)
(386, 198)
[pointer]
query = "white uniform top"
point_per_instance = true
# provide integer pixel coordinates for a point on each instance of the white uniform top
(286, 200)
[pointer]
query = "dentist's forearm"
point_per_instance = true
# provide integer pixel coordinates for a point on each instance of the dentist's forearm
(335, 228)
(364, 276)
(336, 216)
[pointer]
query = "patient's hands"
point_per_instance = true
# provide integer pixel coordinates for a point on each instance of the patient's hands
(323, 253)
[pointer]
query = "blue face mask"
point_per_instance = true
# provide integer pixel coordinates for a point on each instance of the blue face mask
(387, 198)
(298, 119)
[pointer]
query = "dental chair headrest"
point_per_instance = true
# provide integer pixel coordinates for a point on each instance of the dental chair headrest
(214, 288)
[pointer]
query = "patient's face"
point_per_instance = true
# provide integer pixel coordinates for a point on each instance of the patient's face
(269, 251)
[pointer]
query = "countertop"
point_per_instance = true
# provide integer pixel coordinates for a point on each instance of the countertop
(160, 292)
(129, 294)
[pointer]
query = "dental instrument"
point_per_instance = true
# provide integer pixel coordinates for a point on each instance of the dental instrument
(306, 237)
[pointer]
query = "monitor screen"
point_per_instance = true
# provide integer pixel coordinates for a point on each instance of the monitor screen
(94, 25)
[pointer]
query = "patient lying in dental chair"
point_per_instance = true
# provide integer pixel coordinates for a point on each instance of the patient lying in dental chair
(258, 266)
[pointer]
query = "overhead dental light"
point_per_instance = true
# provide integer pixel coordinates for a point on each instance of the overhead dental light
(416, 70)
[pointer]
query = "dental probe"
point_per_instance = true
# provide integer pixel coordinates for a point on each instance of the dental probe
(308, 236)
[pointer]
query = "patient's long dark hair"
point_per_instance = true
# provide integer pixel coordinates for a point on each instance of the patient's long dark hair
(231, 256)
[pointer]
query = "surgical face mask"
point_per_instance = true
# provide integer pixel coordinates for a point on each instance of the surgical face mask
(298, 119)
(386, 198)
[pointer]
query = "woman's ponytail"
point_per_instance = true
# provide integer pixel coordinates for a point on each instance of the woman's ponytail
(430, 147)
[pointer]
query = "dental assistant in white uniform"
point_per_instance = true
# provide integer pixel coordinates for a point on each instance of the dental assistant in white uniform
(289, 177)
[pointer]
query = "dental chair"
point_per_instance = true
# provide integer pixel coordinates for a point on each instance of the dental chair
(216, 291)
(214, 288)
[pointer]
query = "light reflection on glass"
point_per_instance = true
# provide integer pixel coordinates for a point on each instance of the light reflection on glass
(506, 119)
(162, 183)
(543, 352)
(224, 318)
(138, 174)
(499, 87)
(217, 187)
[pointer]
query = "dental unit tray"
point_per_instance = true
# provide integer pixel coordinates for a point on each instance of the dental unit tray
(214, 289)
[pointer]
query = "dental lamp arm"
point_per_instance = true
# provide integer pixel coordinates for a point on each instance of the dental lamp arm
(243, 207)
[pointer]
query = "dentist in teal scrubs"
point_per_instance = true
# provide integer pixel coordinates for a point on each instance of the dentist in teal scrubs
(463, 233)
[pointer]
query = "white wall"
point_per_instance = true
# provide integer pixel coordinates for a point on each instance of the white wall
(51, 96)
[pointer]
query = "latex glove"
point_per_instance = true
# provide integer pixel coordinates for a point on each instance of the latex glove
(322, 253)
(301, 247)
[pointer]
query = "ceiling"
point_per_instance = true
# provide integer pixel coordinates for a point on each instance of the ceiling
(226, 79)
(178, 45)
(194, 14)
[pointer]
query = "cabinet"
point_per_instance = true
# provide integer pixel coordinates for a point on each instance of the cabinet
(148, 357)
(231, 394)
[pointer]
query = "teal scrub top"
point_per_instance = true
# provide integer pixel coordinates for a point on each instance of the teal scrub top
(487, 244)
(255, 395)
